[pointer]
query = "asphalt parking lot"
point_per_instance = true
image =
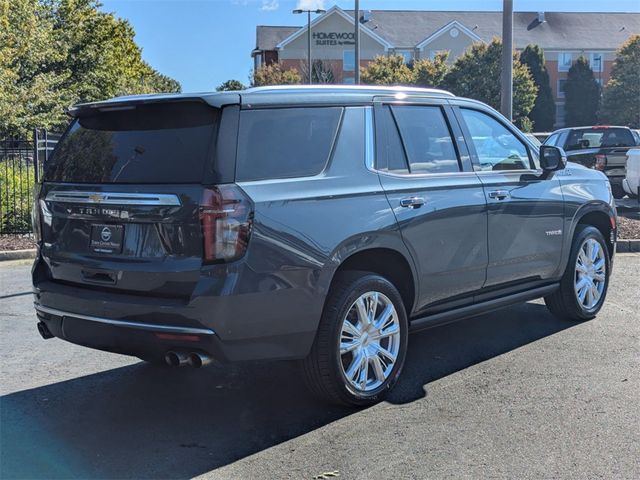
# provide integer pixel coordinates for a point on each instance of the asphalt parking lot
(515, 394)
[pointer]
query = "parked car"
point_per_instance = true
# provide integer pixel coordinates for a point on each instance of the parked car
(307, 223)
(631, 182)
(600, 147)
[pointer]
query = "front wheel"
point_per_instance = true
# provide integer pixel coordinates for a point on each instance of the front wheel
(361, 343)
(584, 284)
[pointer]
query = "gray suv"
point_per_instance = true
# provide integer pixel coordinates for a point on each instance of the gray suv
(307, 223)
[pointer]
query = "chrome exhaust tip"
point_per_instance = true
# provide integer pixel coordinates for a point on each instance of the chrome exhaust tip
(43, 330)
(176, 359)
(197, 359)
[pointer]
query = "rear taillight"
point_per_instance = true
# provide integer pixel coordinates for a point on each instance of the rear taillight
(601, 162)
(226, 215)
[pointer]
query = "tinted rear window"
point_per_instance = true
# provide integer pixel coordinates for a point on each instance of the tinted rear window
(155, 143)
(599, 137)
(285, 142)
(427, 139)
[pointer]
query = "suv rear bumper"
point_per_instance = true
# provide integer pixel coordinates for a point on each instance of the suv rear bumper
(143, 340)
(232, 327)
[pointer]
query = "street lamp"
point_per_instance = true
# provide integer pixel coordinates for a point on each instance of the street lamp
(599, 59)
(309, 12)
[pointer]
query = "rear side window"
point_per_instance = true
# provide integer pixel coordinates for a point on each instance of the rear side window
(600, 137)
(285, 142)
(390, 148)
(427, 139)
(153, 143)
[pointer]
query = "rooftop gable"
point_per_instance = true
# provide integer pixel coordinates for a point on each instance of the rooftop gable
(335, 10)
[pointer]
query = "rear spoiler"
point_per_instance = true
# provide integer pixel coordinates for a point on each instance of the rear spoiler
(216, 100)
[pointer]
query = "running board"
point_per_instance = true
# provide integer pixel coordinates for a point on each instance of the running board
(437, 319)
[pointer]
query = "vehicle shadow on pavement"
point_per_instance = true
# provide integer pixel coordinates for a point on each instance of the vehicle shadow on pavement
(143, 421)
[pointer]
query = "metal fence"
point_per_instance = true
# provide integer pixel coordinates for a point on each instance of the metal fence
(21, 162)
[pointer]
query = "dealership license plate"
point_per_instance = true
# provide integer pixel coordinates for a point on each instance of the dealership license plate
(106, 238)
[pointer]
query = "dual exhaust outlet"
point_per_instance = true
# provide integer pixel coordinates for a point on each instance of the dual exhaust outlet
(182, 359)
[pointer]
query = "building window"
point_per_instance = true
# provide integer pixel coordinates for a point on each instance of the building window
(407, 55)
(564, 61)
(349, 80)
(561, 83)
(596, 62)
(348, 60)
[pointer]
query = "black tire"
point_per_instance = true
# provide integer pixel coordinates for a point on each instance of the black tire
(617, 191)
(564, 303)
(323, 369)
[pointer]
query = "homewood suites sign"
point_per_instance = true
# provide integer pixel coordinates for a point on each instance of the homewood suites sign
(334, 38)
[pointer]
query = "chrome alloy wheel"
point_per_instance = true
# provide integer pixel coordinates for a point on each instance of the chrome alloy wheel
(369, 341)
(590, 276)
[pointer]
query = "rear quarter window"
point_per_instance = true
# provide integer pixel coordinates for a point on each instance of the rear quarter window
(600, 137)
(285, 142)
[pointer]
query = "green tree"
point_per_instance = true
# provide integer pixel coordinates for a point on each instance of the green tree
(275, 74)
(582, 95)
(543, 112)
(54, 53)
(30, 88)
(431, 73)
(387, 70)
(476, 74)
(230, 85)
(621, 101)
(101, 54)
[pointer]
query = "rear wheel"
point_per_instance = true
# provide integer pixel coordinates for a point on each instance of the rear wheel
(618, 191)
(361, 343)
(583, 287)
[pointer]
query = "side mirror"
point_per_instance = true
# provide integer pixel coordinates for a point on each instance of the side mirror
(552, 158)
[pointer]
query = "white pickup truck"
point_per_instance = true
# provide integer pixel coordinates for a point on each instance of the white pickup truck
(631, 182)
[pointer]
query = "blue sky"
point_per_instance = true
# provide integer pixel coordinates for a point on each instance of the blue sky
(202, 43)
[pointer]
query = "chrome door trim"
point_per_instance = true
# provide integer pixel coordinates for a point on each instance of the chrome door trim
(114, 198)
(126, 323)
(369, 145)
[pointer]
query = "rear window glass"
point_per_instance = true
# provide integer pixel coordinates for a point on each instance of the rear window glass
(285, 142)
(154, 143)
(599, 137)
(427, 139)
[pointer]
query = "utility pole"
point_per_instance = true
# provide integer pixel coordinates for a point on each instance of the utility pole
(309, 47)
(506, 93)
(356, 36)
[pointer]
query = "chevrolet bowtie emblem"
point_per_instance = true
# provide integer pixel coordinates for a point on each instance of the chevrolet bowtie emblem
(97, 198)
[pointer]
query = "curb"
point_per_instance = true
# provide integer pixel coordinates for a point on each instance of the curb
(17, 254)
(625, 246)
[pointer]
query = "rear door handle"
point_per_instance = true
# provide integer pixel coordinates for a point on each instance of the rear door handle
(499, 194)
(412, 202)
